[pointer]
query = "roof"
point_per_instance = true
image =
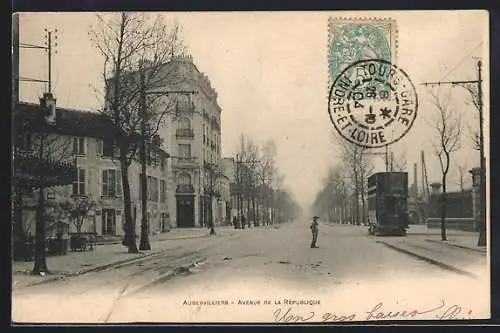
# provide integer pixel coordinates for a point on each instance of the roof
(68, 122)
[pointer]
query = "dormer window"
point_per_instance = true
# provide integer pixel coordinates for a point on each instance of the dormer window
(79, 146)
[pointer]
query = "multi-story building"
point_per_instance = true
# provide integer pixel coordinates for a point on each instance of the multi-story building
(192, 133)
(86, 138)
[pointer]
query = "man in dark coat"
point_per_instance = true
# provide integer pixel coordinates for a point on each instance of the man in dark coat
(315, 230)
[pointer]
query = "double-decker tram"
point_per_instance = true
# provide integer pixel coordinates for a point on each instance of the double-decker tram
(387, 203)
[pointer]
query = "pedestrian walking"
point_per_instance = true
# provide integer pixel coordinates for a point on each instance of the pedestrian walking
(315, 230)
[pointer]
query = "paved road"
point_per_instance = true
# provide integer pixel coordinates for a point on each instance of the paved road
(348, 275)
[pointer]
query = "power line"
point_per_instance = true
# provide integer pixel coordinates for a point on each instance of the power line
(461, 61)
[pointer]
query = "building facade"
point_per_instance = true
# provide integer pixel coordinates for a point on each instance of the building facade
(191, 133)
(84, 138)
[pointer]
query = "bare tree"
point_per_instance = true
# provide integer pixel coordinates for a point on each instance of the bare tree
(247, 176)
(398, 161)
(267, 170)
(77, 209)
(447, 126)
(46, 151)
(214, 173)
(134, 47)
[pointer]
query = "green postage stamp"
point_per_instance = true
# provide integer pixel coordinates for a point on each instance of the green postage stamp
(355, 39)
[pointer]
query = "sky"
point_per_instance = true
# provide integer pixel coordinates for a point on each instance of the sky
(271, 73)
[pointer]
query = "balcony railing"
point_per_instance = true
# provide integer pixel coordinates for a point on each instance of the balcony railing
(185, 133)
(185, 162)
(186, 189)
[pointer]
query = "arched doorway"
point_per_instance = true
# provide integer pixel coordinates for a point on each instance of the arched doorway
(185, 201)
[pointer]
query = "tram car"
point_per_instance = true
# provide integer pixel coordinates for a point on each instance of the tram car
(387, 204)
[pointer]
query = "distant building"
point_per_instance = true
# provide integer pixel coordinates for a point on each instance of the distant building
(86, 139)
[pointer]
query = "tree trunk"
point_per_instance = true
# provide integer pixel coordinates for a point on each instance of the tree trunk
(211, 218)
(356, 196)
(129, 238)
(443, 210)
(18, 228)
(481, 242)
(254, 215)
(40, 265)
(144, 243)
(257, 213)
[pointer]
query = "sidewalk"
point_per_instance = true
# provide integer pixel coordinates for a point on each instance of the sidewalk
(459, 253)
(455, 238)
(104, 256)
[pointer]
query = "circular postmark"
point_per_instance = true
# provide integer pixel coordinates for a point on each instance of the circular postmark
(372, 103)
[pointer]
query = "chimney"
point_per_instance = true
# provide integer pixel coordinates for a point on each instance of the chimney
(15, 59)
(48, 104)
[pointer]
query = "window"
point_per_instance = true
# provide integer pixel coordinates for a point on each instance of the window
(111, 183)
(152, 188)
(99, 147)
(108, 222)
(184, 123)
(184, 151)
(79, 146)
(163, 191)
(184, 179)
(154, 159)
(79, 183)
(108, 148)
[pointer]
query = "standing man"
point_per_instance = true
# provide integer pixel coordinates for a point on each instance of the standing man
(315, 231)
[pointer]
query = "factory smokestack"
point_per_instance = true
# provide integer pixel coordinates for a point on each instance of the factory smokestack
(415, 181)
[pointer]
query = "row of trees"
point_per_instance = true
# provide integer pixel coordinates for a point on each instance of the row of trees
(258, 185)
(342, 199)
(343, 195)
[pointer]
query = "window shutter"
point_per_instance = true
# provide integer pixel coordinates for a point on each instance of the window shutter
(104, 183)
(82, 181)
(112, 182)
(82, 143)
(100, 147)
(119, 183)
(75, 145)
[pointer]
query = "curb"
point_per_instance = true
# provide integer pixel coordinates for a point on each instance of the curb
(89, 270)
(429, 260)
(105, 266)
(479, 250)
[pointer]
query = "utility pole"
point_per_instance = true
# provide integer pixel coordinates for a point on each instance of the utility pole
(49, 48)
(40, 266)
(474, 87)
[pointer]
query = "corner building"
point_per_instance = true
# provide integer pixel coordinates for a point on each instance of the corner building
(192, 136)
